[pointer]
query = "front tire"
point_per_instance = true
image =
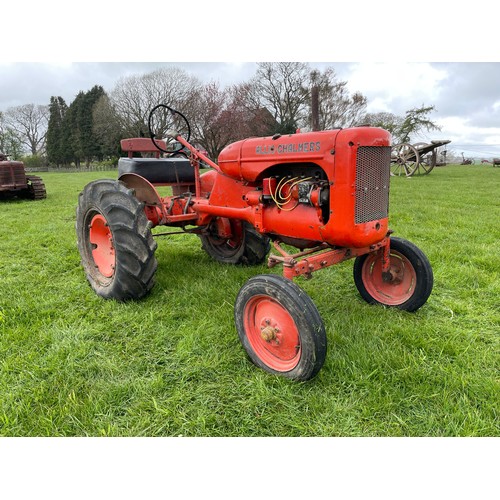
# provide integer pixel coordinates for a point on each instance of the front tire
(115, 241)
(411, 277)
(280, 327)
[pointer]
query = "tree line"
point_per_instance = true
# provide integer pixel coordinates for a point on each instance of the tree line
(280, 98)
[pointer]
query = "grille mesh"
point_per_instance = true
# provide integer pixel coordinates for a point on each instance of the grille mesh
(12, 175)
(372, 183)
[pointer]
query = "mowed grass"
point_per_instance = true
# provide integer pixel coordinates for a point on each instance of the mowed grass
(73, 364)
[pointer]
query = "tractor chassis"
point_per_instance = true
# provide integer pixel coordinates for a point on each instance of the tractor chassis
(323, 256)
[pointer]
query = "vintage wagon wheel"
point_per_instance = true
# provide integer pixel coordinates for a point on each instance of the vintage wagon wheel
(424, 168)
(404, 160)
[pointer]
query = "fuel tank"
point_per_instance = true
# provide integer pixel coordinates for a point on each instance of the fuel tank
(249, 158)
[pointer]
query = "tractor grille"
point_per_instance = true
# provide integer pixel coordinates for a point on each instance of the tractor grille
(372, 183)
(12, 175)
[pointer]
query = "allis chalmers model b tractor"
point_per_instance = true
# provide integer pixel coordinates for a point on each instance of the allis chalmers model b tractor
(323, 193)
(15, 182)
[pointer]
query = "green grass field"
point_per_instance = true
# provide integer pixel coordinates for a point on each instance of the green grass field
(73, 364)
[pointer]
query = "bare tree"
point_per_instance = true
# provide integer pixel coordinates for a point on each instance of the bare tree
(30, 123)
(133, 97)
(282, 88)
(295, 96)
(217, 118)
(335, 106)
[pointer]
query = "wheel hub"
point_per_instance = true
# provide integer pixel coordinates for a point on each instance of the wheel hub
(103, 250)
(269, 332)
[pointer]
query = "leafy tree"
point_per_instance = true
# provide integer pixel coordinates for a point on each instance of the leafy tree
(77, 137)
(404, 128)
(55, 147)
(90, 146)
(107, 127)
(415, 121)
(72, 151)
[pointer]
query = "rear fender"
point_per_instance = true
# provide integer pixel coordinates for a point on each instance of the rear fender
(145, 191)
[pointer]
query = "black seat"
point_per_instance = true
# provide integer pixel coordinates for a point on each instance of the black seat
(158, 170)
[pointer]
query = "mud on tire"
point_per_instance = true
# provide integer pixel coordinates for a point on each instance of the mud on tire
(115, 241)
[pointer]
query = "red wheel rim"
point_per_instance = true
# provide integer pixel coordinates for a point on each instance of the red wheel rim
(103, 251)
(395, 291)
(272, 333)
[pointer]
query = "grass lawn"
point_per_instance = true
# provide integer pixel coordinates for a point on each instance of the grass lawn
(73, 364)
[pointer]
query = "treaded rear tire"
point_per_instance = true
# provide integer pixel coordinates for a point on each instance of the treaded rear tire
(247, 247)
(132, 274)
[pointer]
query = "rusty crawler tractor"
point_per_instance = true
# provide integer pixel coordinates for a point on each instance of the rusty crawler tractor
(15, 182)
(324, 193)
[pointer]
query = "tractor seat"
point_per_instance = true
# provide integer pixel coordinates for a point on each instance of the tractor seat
(156, 170)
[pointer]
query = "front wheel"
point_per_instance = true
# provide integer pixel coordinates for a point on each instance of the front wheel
(280, 327)
(115, 241)
(408, 284)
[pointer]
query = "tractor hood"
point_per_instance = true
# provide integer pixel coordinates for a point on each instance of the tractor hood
(248, 158)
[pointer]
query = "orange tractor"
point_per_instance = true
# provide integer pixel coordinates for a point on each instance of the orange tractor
(319, 198)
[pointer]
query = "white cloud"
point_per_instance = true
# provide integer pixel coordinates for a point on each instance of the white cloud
(396, 87)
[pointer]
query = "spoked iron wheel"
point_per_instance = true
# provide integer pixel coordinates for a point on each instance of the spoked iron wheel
(423, 168)
(232, 241)
(410, 279)
(427, 161)
(162, 121)
(280, 327)
(404, 160)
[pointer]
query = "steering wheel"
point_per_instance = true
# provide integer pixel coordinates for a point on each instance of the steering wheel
(162, 119)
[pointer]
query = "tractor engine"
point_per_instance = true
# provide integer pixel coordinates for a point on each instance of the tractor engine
(328, 186)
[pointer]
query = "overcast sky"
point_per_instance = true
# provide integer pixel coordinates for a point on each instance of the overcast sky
(466, 95)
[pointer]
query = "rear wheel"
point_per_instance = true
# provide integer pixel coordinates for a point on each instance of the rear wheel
(232, 241)
(115, 241)
(408, 284)
(280, 327)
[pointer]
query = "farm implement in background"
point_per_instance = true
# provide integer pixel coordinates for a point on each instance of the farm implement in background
(416, 159)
